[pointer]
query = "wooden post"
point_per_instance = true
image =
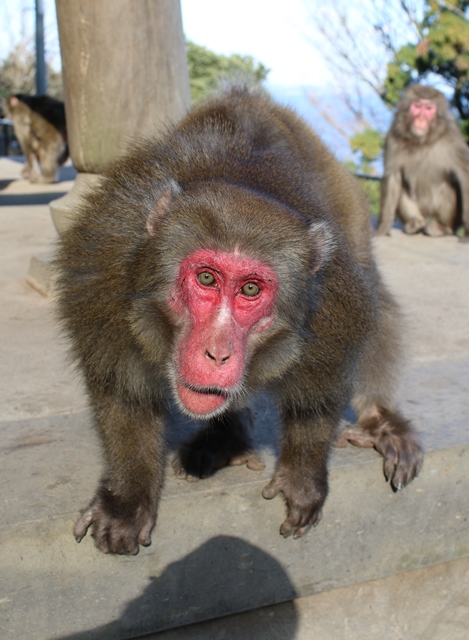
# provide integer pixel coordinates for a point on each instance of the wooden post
(125, 75)
(125, 72)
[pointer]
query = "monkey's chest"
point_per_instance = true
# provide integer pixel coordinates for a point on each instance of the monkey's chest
(421, 180)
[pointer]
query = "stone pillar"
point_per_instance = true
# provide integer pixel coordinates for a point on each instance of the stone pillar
(125, 74)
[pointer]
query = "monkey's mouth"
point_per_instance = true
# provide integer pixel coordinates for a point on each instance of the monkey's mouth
(200, 401)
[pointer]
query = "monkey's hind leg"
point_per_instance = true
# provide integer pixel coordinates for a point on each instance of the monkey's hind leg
(379, 425)
(444, 221)
(222, 441)
(31, 169)
(48, 162)
(393, 437)
(410, 213)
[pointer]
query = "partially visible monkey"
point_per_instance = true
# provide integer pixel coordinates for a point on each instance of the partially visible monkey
(40, 127)
(426, 167)
(231, 254)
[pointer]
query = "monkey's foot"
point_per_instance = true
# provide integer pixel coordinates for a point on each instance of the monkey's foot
(222, 442)
(116, 527)
(414, 226)
(383, 230)
(394, 438)
(436, 229)
(304, 496)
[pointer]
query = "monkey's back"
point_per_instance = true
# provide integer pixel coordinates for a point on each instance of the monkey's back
(246, 138)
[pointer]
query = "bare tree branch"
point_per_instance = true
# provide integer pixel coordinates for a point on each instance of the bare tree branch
(357, 41)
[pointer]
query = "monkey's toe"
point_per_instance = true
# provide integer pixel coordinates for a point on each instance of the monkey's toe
(250, 459)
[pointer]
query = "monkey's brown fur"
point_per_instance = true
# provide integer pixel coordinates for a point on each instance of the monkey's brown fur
(426, 179)
(39, 125)
(238, 174)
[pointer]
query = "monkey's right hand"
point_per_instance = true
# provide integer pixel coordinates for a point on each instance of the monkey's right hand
(117, 525)
(304, 494)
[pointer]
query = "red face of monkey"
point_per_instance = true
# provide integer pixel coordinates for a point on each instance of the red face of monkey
(422, 113)
(223, 299)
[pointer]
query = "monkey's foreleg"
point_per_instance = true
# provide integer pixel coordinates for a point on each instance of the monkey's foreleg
(48, 154)
(31, 169)
(123, 512)
(409, 211)
(301, 473)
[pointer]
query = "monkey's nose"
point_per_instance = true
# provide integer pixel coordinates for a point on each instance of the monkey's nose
(217, 358)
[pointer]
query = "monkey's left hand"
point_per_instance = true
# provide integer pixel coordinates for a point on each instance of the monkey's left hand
(305, 495)
(402, 453)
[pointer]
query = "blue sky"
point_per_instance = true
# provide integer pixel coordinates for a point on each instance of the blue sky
(272, 31)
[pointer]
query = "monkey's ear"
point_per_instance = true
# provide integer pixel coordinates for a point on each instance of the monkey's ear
(162, 206)
(323, 242)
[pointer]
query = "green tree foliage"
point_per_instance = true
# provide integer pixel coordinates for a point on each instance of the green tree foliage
(367, 146)
(442, 50)
(206, 68)
(18, 73)
(371, 189)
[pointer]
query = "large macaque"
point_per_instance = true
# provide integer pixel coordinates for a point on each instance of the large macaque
(231, 254)
(39, 124)
(426, 167)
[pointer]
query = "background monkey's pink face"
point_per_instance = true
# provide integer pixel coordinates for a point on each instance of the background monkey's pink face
(223, 298)
(422, 113)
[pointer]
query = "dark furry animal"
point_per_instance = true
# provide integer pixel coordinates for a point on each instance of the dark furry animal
(231, 254)
(40, 127)
(426, 167)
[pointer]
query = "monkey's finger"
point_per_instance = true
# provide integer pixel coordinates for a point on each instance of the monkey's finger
(144, 537)
(289, 528)
(82, 524)
(113, 541)
(180, 470)
(255, 463)
(272, 489)
(406, 471)
(356, 436)
(297, 523)
(389, 466)
(182, 474)
(132, 549)
(250, 459)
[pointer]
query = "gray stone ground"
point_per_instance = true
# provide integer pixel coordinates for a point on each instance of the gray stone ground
(427, 604)
(430, 279)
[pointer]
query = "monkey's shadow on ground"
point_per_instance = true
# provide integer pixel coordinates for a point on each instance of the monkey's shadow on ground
(222, 575)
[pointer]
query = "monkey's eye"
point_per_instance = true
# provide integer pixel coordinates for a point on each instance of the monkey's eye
(206, 278)
(250, 289)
